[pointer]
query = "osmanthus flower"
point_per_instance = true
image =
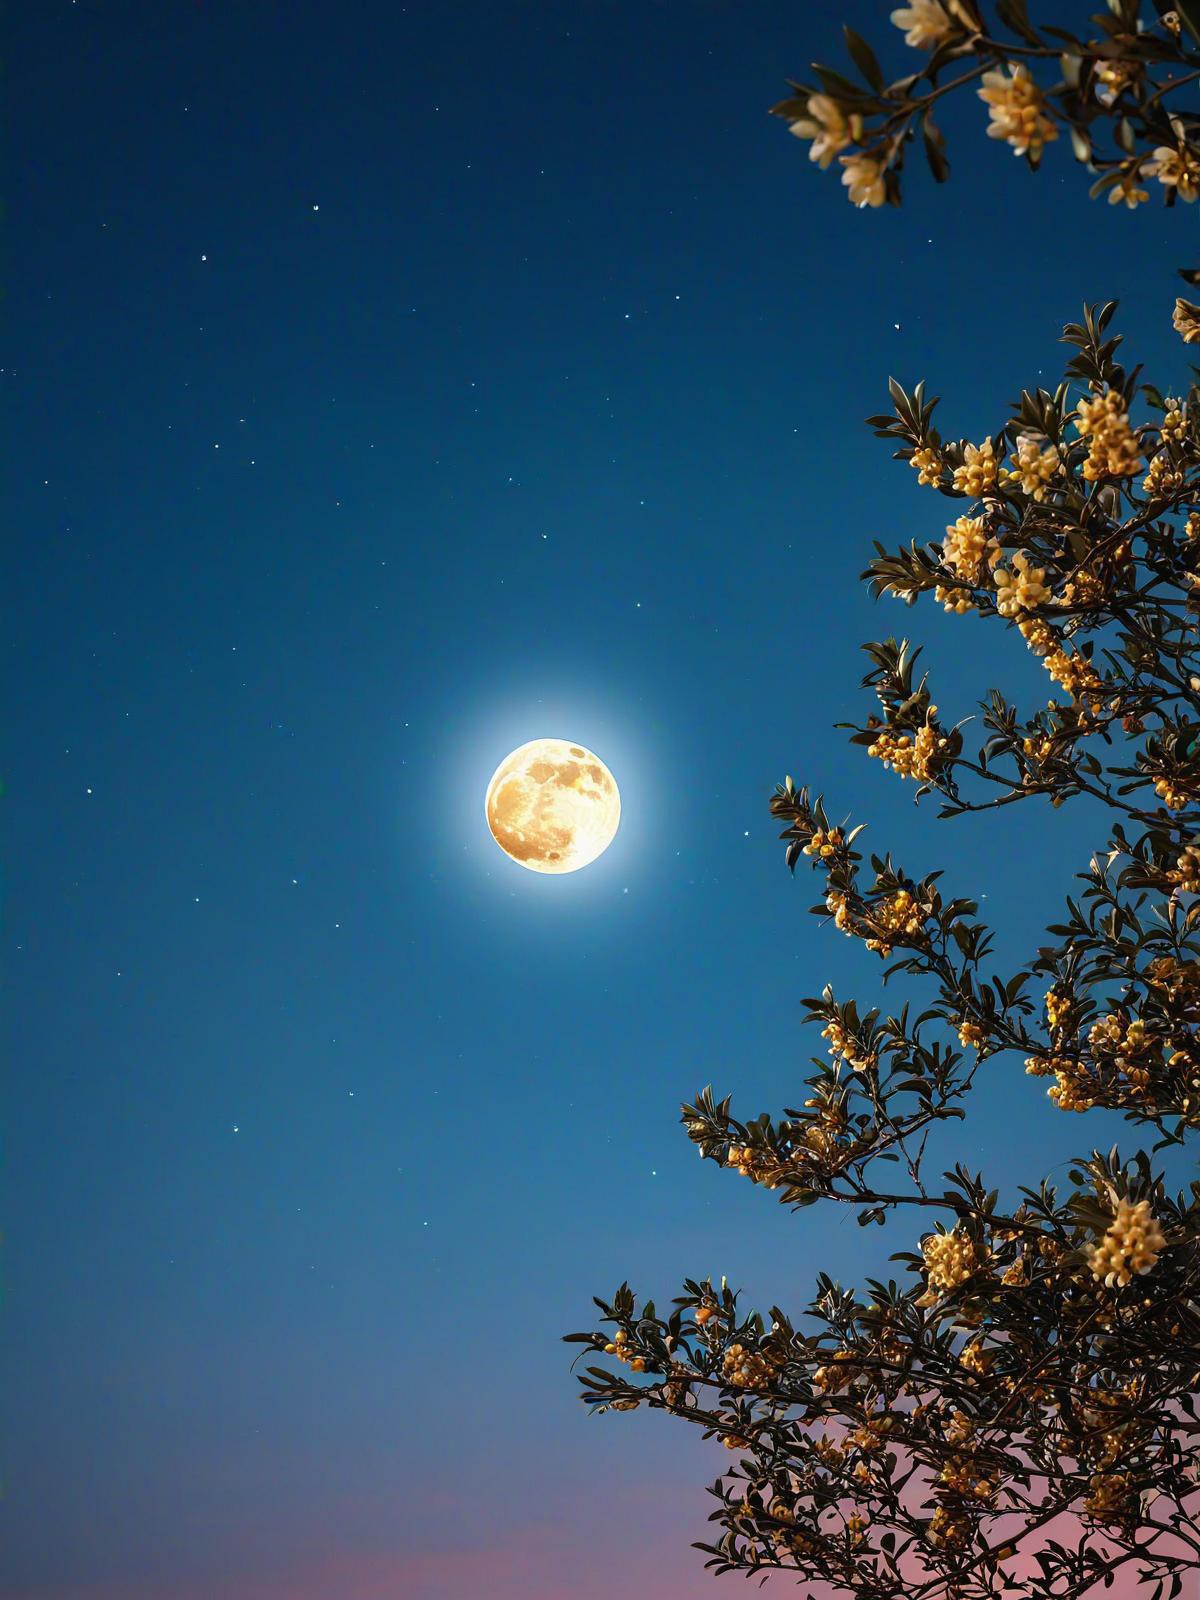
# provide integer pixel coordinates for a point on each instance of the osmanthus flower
(1178, 168)
(1130, 1247)
(950, 1259)
(1017, 111)
(864, 179)
(979, 469)
(1033, 468)
(965, 547)
(958, 601)
(911, 755)
(827, 125)
(1113, 450)
(925, 24)
(1127, 192)
(1186, 321)
(929, 466)
(1112, 78)
(1186, 872)
(1020, 586)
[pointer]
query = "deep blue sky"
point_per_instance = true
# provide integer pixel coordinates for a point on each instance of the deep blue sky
(323, 1120)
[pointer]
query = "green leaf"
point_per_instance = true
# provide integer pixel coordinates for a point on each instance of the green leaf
(864, 58)
(935, 149)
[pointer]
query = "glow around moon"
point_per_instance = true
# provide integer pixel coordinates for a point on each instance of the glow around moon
(553, 806)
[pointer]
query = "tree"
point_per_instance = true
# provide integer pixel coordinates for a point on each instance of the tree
(1015, 1412)
(1116, 95)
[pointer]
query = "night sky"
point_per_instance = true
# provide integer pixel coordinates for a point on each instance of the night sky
(387, 386)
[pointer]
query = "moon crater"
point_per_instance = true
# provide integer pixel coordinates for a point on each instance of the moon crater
(553, 806)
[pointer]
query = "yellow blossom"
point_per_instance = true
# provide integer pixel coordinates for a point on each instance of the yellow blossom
(1178, 169)
(844, 1045)
(956, 600)
(924, 23)
(964, 547)
(826, 124)
(863, 177)
(1038, 635)
(928, 465)
(1127, 190)
(1186, 873)
(1073, 673)
(1033, 468)
(1113, 447)
(1186, 320)
(907, 756)
(978, 471)
(950, 1259)
(1110, 1499)
(1174, 424)
(1112, 77)
(898, 914)
(1130, 1246)
(1016, 109)
(746, 1369)
(1020, 587)
(947, 1528)
(1174, 799)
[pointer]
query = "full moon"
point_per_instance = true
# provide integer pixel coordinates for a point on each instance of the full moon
(553, 806)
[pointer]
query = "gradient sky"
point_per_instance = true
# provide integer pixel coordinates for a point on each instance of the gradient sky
(388, 385)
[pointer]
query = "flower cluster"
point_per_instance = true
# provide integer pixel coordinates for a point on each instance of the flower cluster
(1017, 111)
(908, 755)
(947, 1527)
(1186, 872)
(844, 1046)
(1072, 672)
(962, 1477)
(1033, 469)
(1113, 450)
(1186, 320)
(979, 469)
(950, 1259)
(1174, 797)
(747, 1369)
(1110, 1498)
(929, 466)
(971, 1035)
(1071, 1089)
(863, 176)
(1130, 1247)
(825, 843)
(1178, 168)
(837, 1373)
(1163, 478)
(1020, 587)
(760, 1166)
(897, 915)
(826, 124)
(924, 23)
(625, 1352)
(1058, 1007)
(965, 547)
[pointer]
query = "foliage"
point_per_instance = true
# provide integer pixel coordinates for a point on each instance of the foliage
(1015, 1411)
(1112, 89)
